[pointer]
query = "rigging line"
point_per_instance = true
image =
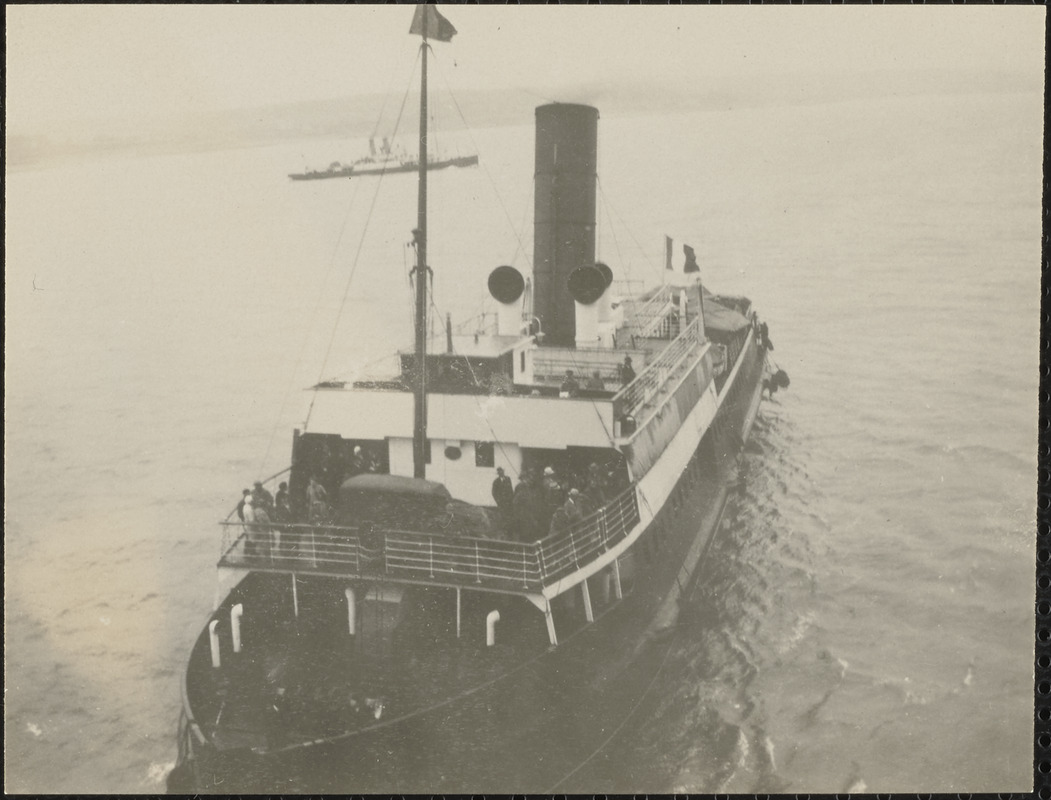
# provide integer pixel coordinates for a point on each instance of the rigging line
(383, 107)
(357, 253)
(485, 169)
(606, 206)
(620, 727)
(306, 336)
(519, 247)
(484, 414)
(609, 207)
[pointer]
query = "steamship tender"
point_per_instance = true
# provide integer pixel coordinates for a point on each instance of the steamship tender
(421, 639)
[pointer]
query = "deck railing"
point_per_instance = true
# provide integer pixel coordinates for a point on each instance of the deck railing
(551, 363)
(444, 559)
(647, 318)
(563, 553)
(653, 378)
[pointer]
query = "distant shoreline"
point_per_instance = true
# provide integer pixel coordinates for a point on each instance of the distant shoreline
(354, 117)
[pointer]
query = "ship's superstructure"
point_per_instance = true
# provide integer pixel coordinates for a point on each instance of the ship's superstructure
(388, 596)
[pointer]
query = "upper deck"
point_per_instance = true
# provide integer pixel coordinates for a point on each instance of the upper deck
(374, 553)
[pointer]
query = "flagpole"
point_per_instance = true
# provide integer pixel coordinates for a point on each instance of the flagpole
(419, 434)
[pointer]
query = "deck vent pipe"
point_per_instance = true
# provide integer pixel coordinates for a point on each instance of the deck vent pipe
(586, 285)
(235, 625)
(490, 628)
(506, 285)
(213, 640)
(605, 302)
(352, 613)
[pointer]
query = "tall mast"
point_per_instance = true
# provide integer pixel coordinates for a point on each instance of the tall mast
(419, 429)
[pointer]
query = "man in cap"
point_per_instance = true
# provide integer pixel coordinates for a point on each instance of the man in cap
(282, 507)
(595, 382)
(572, 506)
(525, 505)
(281, 499)
(551, 492)
(261, 496)
(570, 387)
(503, 494)
(627, 372)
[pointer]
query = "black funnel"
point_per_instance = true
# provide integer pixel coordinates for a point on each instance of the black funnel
(564, 212)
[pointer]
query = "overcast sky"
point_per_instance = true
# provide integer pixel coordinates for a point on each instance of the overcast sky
(80, 62)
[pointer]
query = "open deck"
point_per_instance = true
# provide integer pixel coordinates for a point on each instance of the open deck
(439, 559)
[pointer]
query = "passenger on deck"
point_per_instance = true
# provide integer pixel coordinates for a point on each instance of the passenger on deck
(241, 506)
(282, 515)
(572, 506)
(595, 489)
(503, 495)
(595, 381)
(317, 499)
(552, 492)
(627, 373)
(255, 536)
(764, 337)
(357, 461)
(281, 500)
(570, 387)
(262, 497)
(559, 521)
(525, 504)
(267, 537)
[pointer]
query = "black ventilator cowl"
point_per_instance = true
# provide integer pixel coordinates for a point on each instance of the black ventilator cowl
(586, 284)
(506, 284)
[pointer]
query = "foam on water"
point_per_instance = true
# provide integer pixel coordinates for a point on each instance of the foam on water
(871, 586)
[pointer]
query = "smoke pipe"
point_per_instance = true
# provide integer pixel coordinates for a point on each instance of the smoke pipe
(563, 212)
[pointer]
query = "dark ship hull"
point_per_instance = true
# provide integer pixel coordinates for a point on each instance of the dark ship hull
(537, 725)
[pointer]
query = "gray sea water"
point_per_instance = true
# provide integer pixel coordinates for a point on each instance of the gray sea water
(865, 617)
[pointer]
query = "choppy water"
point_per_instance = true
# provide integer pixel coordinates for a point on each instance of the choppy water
(865, 618)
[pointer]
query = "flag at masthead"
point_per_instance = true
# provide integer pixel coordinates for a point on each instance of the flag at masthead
(429, 24)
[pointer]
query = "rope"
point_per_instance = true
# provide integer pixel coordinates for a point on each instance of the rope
(354, 264)
(619, 728)
(609, 207)
(482, 164)
(306, 336)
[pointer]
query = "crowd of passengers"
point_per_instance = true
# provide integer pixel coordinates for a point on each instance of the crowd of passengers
(544, 502)
(570, 386)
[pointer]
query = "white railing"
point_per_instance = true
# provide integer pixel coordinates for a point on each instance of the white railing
(371, 552)
(655, 376)
(648, 318)
(552, 362)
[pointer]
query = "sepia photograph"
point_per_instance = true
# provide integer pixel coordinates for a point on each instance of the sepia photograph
(392, 400)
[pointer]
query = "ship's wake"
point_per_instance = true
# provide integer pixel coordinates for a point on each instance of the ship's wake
(736, 626)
